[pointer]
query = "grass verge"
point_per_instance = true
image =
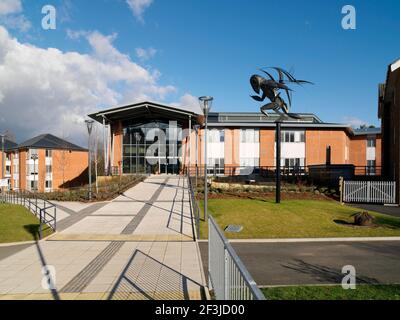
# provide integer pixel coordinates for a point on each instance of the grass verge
(362, 292)
(263, 219)
(17, 224)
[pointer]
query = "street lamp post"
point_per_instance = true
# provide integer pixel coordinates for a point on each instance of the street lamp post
(89, 125)
(205, 104)
(278, 138)
(196, 129)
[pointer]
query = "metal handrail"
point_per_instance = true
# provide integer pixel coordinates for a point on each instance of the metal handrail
(30, 201)
(245, 286)
(193, 205)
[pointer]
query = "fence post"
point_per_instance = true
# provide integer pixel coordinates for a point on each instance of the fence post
(209, 254)
(341, 182)
(368, 191)
(55, 218)
(40, 226)
(226, 275)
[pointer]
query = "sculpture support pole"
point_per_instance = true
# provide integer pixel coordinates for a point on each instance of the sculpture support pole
(278, 160)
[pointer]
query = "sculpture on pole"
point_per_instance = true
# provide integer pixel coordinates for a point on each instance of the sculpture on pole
(271, 88)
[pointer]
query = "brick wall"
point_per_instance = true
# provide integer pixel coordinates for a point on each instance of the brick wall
(117, 140)
(267, 147)
(317, 142)
(69, 167)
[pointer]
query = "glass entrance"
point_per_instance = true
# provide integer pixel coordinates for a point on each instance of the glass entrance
(152, 147)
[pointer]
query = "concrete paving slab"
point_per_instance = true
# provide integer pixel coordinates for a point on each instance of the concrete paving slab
(156, 257)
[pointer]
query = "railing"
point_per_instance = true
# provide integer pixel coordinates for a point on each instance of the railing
(44, 210)
(270, 171)
(368, 171)
(228, 277)
(369, 191)
(194, 205)
(232, 170)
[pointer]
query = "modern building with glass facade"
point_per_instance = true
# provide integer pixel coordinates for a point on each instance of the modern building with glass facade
(154, 138)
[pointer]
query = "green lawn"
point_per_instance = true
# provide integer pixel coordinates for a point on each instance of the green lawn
(294, 219)
(18, 224)
(362, 292)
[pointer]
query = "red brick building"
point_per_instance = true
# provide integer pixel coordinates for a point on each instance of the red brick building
(234, 140)
(44, 163)
(389, 113)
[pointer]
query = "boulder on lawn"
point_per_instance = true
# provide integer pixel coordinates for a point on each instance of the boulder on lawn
(363, 219)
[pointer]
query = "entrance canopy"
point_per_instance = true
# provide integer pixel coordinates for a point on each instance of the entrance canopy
(145, 110)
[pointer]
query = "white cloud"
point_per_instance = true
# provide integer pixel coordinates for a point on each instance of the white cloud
(138, 7)
(145, 54)
(18, 22)
(10, 15)
(76, 34)
(48, 90)
(10, 6)
(354, 122)
(189, 102)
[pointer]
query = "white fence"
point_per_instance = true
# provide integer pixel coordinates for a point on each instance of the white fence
(228, 277)
(370, 191)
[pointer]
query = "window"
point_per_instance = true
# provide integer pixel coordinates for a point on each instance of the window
(49, 184)
(215, 136)
(293, 162)
(371, 167)
(292, 136)
(49, 153)
(249, 162)
(33, 169)
(250, 136)
(222, 136)
(16, 169)
(33, 185)
(216, 166)
(16, 184)
(30, 153)
(48, 169)
(371, 142)
(371, 163)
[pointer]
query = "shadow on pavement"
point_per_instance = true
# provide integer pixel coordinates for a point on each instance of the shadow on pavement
(324, 273)
(146, 278)
(33, 229)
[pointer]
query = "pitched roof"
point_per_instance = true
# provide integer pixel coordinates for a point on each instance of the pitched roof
(48, 141)
(8, 145)
(142, 109)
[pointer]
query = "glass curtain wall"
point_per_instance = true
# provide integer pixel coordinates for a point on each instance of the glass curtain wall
(153, 147)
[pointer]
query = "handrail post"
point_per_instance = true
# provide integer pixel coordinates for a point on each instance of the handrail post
(55, 218)
(226, 275)
(40, 226)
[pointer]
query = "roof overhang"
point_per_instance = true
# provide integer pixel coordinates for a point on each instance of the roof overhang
(141, 110)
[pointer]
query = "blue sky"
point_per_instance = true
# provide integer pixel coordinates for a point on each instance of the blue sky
(211, 47)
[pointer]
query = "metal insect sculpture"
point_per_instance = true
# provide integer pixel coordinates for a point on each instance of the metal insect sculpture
(270, 88)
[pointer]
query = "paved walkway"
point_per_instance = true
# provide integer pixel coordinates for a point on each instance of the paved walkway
(139, 246)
